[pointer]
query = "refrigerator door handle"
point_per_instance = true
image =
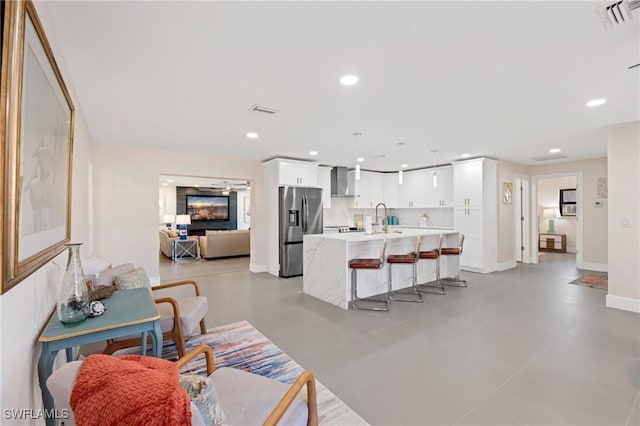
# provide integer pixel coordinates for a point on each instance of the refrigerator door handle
(305, 215)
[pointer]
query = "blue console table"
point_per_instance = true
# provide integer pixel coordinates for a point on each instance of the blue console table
(127, 312)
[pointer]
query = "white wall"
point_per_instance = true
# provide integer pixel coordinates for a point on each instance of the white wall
(126, 199)
(166, 202)
(624, 216)
(548, 197)
(506, 212)
(25, 309)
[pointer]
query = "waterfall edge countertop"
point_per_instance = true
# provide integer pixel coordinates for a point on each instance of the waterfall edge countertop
(326, 274)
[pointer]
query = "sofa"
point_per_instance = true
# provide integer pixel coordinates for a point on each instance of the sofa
(225, 243)
(166, 238)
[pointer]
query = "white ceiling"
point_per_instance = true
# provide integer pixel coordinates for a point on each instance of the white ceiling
(502, 79)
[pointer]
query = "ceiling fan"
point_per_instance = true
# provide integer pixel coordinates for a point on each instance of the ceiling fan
(229, 186)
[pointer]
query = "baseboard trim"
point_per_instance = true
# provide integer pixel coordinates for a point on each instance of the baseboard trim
(623, 303)
(257, 268)
(506, 265)
(600, 267)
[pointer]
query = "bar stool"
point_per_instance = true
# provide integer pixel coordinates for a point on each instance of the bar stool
(356, 264)
(454, 251)
(436, 287)
(406, 259)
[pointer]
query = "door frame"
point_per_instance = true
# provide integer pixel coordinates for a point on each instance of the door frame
(579, 215)
(522, 236)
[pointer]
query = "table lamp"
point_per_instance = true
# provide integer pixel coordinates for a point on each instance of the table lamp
(550, 213)
(183, 220)
(168, 219)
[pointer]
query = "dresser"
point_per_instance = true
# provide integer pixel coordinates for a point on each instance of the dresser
(556, 243)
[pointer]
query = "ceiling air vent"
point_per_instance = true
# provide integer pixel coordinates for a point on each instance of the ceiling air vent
(617, 13)
(261, 108)
(549, 157)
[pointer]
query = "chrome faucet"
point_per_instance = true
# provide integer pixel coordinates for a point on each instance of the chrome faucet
(385, 227)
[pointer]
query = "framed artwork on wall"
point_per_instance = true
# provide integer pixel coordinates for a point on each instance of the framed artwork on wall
(37, 132)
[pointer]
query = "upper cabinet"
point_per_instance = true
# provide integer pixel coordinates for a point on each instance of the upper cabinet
(413, 191)
(324, 182)
(369, 190)
(440, 195)
(468, 181)
(390, 190)
(297, 173)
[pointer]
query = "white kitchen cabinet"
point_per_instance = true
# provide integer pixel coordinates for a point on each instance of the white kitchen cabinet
(324, 182)
(475, 184)
(369, 190)
(297, 173)
(390, 190)
(468, 182)
(413, 192)
(442, 194)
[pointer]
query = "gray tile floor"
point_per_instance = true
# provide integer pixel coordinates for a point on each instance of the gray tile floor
(516, 347)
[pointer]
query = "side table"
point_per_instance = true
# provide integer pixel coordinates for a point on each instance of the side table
(185, 248)
(127, 312)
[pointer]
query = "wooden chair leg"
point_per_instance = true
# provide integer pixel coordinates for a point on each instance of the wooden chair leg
(203, 327)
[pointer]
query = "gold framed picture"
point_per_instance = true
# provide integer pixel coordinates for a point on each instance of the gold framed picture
(37, 131)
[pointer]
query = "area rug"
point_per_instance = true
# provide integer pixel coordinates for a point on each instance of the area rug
(593, 280)
(240, 345)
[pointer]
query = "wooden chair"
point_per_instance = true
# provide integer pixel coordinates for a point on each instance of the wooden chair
(190, 310)
(246, 398)
(252, 389)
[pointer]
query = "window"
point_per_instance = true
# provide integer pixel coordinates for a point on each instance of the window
(568, 202)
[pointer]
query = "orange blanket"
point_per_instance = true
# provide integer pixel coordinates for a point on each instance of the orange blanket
(129, 390)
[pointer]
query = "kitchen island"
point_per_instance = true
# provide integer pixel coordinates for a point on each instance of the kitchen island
(326, 272)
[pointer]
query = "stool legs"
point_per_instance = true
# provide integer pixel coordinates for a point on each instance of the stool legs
(355, 299)
(455, 282)
(436, 287)
(414, 288)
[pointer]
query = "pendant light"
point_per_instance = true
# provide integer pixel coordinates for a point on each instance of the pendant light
(400, 177)
(435, 175)
(357, 136)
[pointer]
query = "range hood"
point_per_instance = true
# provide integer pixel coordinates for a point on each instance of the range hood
(342, 182)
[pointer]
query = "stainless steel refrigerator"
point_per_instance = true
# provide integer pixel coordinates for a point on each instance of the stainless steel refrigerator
(300, 214)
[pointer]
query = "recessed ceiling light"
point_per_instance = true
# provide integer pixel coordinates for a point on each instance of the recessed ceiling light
(466, 155)
(349, 80)
(165, 184)
(170, 180)
(596, 102)
(404, 166)
(314, 153)
(252, 135)
(197, 186)
(360, 159)
(554, 150)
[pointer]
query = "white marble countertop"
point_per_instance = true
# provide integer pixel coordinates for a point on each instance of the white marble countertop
(394, 232)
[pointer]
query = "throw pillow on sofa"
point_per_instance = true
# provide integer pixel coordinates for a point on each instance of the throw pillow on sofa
(203, 394)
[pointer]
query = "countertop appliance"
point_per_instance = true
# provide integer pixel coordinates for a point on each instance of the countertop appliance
(300, 211)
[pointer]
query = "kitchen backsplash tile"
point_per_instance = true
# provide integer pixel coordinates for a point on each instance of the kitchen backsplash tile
(341, 213)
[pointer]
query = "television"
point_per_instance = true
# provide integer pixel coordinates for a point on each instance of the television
(208, 207)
